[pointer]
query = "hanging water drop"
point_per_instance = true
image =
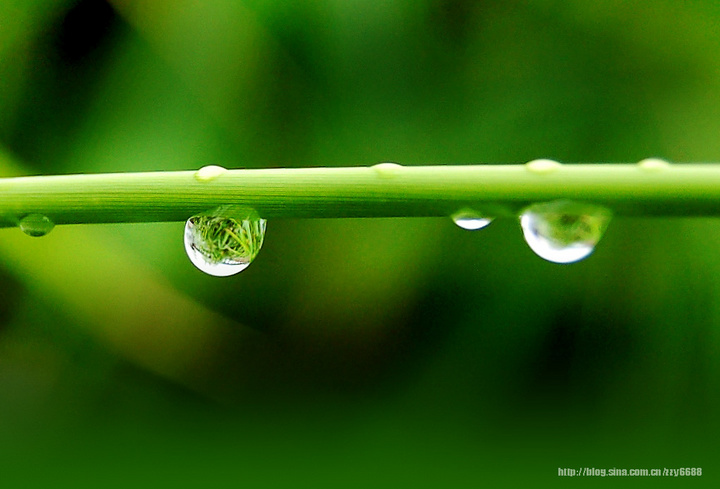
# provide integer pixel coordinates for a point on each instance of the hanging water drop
(208, 173)
(36, 225)
(470, 220)
(563, 231)
(224, 241)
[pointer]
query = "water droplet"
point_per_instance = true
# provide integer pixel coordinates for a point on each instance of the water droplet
(208, 173)
(387, 170)
(563, 231)
(471, 220)
(224, 241)
(36, 225)
(543, 167)
(653, 165)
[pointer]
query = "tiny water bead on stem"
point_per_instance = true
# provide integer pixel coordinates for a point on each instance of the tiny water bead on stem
(209, 173)
(543, 167)
(387, 169)
(653, 165)
(36, 225)
(224, 241)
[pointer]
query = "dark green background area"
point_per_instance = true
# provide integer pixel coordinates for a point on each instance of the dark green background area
(356, 353)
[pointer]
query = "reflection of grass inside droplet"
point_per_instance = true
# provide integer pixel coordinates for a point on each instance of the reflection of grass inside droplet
(565, 223)
(568, 229)
(224, 239)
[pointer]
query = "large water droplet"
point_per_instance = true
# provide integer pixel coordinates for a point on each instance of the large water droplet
(36, 225)
(563, 231)
(224, 241)
(471, 220)
(208, 173)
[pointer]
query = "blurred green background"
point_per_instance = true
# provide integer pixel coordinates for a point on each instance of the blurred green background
(356, 353)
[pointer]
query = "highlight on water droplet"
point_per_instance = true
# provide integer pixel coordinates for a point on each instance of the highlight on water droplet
(36, 225)
(208, 173)
(387, 170)
(564, 231)
(543, 167)
(224, 241)
(469, 219)
(653, 165)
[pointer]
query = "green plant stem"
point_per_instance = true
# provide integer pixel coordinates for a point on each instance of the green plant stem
(381, 191)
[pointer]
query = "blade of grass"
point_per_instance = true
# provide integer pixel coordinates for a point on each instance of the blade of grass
(384, 190)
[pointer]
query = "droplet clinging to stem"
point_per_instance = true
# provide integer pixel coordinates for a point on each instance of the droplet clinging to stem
(563, 231)
(224, 241)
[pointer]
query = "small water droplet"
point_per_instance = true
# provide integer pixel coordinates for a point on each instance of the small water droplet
(208, 173)
(471, 220)
(387, 170)
(563, 231)
(36, 225)
(224, 241)
(543, 167)
(653, 165)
